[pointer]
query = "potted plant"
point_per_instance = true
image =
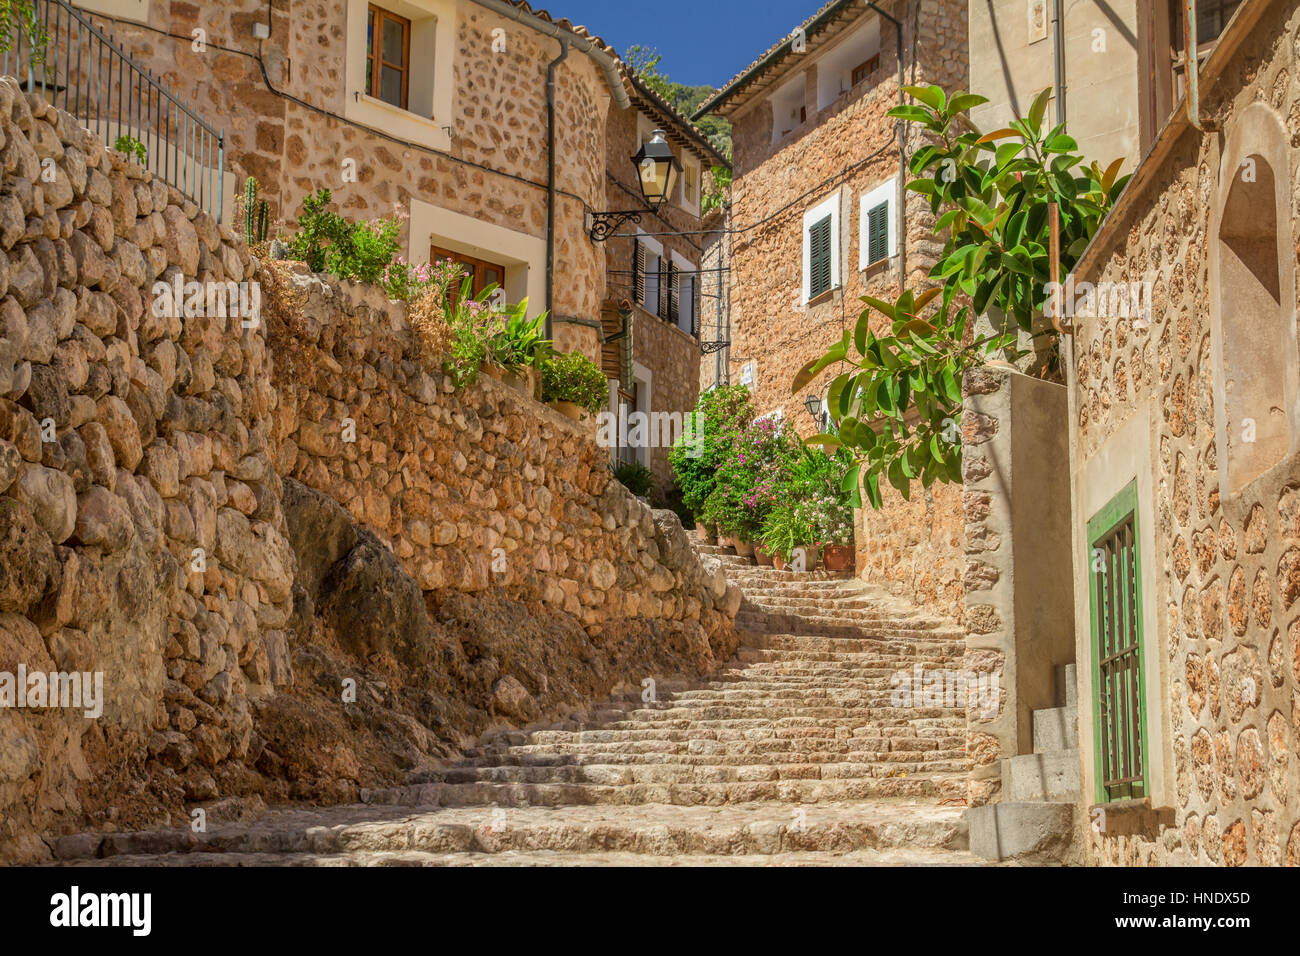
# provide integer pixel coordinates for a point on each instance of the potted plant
(703, 532)
(514, 350)
(763, 556)
(572, 384)
(787, 530)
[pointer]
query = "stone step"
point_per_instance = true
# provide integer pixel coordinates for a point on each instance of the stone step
(1002, 831)
(765, 718)
(694, 753)
(936, 784)
(1056, 729)
(1041, 777)
(1067, 690)
(890, 856)
(626, 774)
(882, 645)
(755, 829)
(922, 729)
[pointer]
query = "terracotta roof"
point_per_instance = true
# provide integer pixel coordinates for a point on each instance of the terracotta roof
(772, 55)
(635, 87)
(638, 89)
(564, 23)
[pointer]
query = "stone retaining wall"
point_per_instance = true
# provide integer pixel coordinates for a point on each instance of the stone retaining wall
(257, 641)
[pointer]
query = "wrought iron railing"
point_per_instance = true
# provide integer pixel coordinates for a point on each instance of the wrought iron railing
(56, 50)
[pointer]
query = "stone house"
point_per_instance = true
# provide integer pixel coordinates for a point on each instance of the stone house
(1185, 477)
(1122, 64)
(448, 124)
(819, 218)
(655, 290)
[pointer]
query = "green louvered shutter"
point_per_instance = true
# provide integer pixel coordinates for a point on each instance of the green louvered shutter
(878, 233)
(819, 259)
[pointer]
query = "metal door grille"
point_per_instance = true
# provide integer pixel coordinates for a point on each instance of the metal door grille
(1117, 650)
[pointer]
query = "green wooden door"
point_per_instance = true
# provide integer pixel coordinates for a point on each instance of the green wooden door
(1118, 680)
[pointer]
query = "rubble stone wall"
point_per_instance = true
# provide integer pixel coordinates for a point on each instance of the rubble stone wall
(152, 529)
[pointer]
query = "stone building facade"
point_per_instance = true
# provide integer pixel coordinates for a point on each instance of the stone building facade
(462, 148)
(1185, 434)
(812, 143)
(656, 292)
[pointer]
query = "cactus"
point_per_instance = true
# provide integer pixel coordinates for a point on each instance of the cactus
(257, 214)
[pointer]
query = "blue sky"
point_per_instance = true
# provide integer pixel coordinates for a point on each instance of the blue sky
(702, 41)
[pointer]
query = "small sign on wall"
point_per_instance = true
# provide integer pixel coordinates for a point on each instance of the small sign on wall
(1037, 20)
(747, 374)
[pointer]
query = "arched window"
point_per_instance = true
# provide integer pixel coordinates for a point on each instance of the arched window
(1252, 283)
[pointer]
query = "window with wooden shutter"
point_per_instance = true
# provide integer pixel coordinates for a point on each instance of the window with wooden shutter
(671, 301)
(1118, 678)
(819, 261)
(638, 272)
(878, 233)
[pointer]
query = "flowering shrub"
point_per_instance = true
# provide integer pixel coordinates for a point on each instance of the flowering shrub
(723, 415)
(749, 480)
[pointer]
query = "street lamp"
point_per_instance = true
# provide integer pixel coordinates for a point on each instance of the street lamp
(814, 405)
(657, 170)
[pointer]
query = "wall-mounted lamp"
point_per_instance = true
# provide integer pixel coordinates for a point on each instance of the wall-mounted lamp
(657, 171)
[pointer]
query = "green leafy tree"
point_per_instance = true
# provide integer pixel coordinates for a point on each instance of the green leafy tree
(896, 400)
(644, 62)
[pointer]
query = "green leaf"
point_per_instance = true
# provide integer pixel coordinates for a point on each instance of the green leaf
(915, 114)
(965, 101)
(1037, 109)
(932, 96)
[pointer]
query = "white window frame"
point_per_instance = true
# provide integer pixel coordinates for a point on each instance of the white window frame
(816, 214)
(886, 192)
(653, 247)
(687, 270)
(428, 117)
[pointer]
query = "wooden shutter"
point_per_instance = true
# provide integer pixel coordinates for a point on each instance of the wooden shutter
(673, 294)
(878, 233)
(638, 272)
(819, 258)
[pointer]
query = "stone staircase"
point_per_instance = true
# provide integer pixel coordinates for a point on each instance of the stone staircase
(1034, 820)
(793, 754)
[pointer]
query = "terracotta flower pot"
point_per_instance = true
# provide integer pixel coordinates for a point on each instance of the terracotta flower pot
(839, 557)
(703, 533)
(778, 562)
(744, 548)
(492, 371)
(568, 410)
(520, 380)
(763, 556)
(725, 541)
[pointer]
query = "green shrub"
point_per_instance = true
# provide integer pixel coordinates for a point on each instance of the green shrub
(635, 477)
(131, 147)
(788, 525)
(327, 242)
(572, 377)
(750, 479)
(722, 415)
(520, 340)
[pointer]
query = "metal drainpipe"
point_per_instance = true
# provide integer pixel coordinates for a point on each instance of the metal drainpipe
(901, 198)
(550, 180)
(1058, 57)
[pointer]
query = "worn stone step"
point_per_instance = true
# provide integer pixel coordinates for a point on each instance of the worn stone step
(1002, 831)
(720, 753)
(626, 773)
(887, 857)
(935, 784)
(1056, 729)
(1041, 777)
(760, 829)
